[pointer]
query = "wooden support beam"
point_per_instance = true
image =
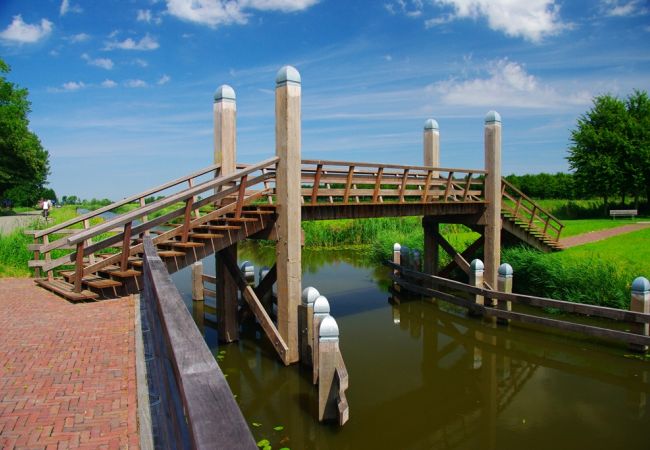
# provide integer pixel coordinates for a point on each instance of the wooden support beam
(348, 184)
(187, 218)
(467, 255)
(375, 194)
(265, 285)
(79, 267)
(451, 251)
(402, 188)
(314, 191)
(240, 196)
(258, 310)
(492, 246)
(431, 252)
(226, 287)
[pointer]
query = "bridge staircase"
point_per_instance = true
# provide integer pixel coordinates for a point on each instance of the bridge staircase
(192, 217)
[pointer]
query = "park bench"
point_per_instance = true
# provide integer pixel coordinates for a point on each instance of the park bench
(614, 213)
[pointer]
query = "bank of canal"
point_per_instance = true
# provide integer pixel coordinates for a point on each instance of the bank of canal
(424, 376)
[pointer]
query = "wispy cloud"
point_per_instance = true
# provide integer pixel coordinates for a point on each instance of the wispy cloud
(23, 33)
(619, 8)
(164, 80)
(76, 38)
(135, 83)
(507, 84)
(69, 87)
(220, 12)
(145, 15)
(104, 63)
(66, 7)
(146, 43)
(108, 83)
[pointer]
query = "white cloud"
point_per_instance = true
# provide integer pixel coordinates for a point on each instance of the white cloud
(222, 12)
(140, 62)
(410, 8)
(621, 8)
(104, 63)
(66, 7)
(24, 33)
(146, 43)
(109, 83)
(81, 37)
(135, 83)
(73, 85)
(145, 15)
(507, 85)
(164, 80)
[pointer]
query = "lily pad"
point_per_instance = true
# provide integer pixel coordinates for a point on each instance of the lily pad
(256, 424)
(278, 428)
(263, 443)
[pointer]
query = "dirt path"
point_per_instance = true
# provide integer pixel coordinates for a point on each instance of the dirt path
(594, 236)
(67, 372)
(10, 223)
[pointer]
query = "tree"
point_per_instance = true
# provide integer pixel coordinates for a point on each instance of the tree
(24, 164)
(610, 147)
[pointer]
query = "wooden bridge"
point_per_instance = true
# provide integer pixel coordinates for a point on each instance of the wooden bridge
(211, 210)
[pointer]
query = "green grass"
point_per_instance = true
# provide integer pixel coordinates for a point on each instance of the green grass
(14, 254)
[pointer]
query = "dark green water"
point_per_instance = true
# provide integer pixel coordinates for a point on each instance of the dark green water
(424, 376)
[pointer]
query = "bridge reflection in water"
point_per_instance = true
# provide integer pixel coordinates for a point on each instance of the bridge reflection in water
(425, 376)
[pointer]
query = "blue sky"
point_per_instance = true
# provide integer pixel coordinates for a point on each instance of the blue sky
(122, 90)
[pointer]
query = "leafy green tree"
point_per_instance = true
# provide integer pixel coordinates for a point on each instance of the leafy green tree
(599, 141)
(24, 164)
(638, 107)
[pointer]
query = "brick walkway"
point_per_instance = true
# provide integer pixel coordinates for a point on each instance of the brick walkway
(67, 372)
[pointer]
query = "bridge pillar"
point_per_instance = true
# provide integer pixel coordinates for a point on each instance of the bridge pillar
(225, 153)
(288, 249)
(492, 231)
(431, 158)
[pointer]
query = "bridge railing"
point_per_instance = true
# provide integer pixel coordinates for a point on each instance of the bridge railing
(525, 210)
(193, 406)
(329, 182)
(190, 207)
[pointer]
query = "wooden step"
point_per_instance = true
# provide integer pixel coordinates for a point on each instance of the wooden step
(257, 211)
(240, 219)
(66, 290)
(170, 253)
(115, 271)
(205, 236)
(221, 227)
(100, 283)
(179, 244)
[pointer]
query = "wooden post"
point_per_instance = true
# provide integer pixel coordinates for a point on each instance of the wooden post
(287, 185)
(492, 233)
(476, 269)
(306, 324)
(321, 310)
(431, 144)
(225, 153)
(397, 256)
(640, 302)
(431, 250)
(330, 359)
(197, 281)
(504, 284)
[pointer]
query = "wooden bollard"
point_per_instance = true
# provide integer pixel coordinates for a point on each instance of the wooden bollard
(333, 379)
(197, 282)
(306, 324)
(476, 270)
(504, 284)
(431, 145)
(321, 310)
(640, 302)
(397, 257)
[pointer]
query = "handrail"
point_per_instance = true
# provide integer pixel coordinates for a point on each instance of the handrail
(521, 194)
(387, 166)
(162, 203)
(127, 200)
(197, 408)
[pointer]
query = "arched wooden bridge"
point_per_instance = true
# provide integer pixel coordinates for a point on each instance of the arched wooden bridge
(211, 210)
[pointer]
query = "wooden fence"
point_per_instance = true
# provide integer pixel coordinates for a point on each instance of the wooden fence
(424, 284)
(192, 405)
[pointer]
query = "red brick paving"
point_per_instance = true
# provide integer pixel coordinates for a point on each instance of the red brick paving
(67, 372)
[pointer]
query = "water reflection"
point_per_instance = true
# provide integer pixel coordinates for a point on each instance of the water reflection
(424, 376)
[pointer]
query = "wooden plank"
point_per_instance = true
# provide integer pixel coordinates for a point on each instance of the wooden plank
(126, 244)
(256, 307)
(187, 218)
(315, 162)
(375, 194)
(466, 255)
(314, 191)
(451, 251)
(348, 184)
(266, 284)
(66, 290)
(213, 416)
(448, 186)
(403, 186)
(241, 193)
(79, 267)
(425, 194)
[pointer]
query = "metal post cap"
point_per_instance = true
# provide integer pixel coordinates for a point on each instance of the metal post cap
(246, 266)
(225, 92)
(476, 266)
(431, 124)
(396, 247)
(492, 117)
(309, 295)
(505, 270)
(287, 75)
(328, 330)
(641, 285)
(321, 305)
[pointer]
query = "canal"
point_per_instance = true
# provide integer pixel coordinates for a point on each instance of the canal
(425, 376)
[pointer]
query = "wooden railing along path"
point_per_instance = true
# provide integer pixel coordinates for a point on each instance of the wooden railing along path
(192, 406)
(424, 284)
